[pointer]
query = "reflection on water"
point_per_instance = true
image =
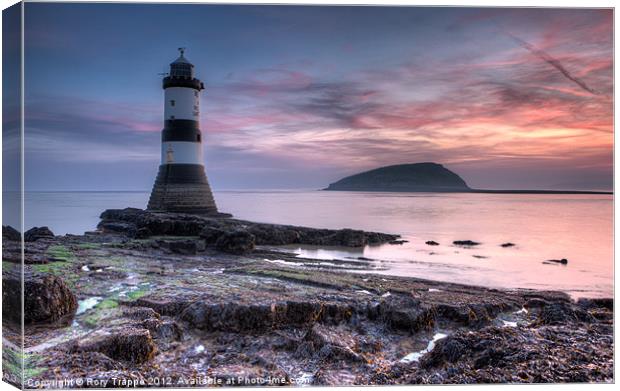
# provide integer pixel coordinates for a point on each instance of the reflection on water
(542, 226)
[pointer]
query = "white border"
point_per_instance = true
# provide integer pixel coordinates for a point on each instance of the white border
(478, 3)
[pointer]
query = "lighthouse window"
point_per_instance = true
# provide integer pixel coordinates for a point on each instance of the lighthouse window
(172, 102)
(196, 94)
(198, 138)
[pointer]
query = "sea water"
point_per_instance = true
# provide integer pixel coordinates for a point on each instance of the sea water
(542, 226)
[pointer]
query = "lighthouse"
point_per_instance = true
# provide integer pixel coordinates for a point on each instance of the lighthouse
(181, 184)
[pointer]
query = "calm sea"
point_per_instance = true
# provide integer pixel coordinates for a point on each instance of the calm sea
(576, 227)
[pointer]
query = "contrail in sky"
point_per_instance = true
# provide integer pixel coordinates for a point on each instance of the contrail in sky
(554, 63)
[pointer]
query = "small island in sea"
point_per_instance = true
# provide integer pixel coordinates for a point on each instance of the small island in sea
(417, 177)
(424, 177)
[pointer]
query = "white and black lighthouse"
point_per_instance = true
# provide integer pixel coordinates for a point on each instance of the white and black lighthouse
(181, 184)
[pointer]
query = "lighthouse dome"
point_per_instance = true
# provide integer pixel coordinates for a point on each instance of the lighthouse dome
(182, 74)
(181, 67)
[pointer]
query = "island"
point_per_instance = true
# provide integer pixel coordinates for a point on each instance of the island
(425, 177)
(417, 177)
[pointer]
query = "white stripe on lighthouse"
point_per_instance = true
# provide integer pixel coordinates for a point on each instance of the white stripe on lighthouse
(181, 152)
(181, 103)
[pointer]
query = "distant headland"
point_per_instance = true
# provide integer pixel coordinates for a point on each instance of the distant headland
(424, 177)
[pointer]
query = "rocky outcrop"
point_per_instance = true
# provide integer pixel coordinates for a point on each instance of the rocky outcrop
(36, 233)
(558, 313)
(236, 242)
(132, 345)
(406, 314)
(242, 317)
(325, 344)
(136, 222)
(47, 298)
(523, 355)
(10, 233)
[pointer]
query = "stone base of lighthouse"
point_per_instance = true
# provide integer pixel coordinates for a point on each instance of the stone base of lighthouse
(182, 188)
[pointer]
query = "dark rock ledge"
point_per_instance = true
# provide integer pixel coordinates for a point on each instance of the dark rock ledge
(164, 296)
(228, 233)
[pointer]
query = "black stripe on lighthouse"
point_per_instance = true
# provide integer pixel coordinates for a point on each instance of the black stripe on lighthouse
(181, 130)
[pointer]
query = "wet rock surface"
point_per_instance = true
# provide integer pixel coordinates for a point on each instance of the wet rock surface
(47, 298)
(236, 242)
(128, 345)
(172, 306)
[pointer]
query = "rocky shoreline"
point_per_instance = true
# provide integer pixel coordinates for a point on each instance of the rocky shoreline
(161, 299)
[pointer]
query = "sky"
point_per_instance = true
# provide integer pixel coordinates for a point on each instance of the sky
(298, 97)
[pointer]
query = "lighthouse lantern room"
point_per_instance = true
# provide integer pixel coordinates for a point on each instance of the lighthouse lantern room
(181, 184)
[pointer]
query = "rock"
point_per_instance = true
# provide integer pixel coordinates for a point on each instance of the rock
(379, 238)
(47, 299)
(118, 227)
(184, 247)
(562, 261)
(130, 220)
(465, 243)
(36, 233)
(559, 313)
(432, 243)
(268, 234)
(236, 242)
(474, 315)
(405, 313)
(228, 316)
(327, 344)
(607, 303)
(211, 234)
(10, 233)
(170, 307)
(507, 244)
(133, 345)
(143, 233)
(163, 329)
(446, 350)
(401, 241)
(350, 238)
(93, 360)
(298, 312)
(535, 303)
(489, 357)
(506, 354)
(140, 313)
(241, 317)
